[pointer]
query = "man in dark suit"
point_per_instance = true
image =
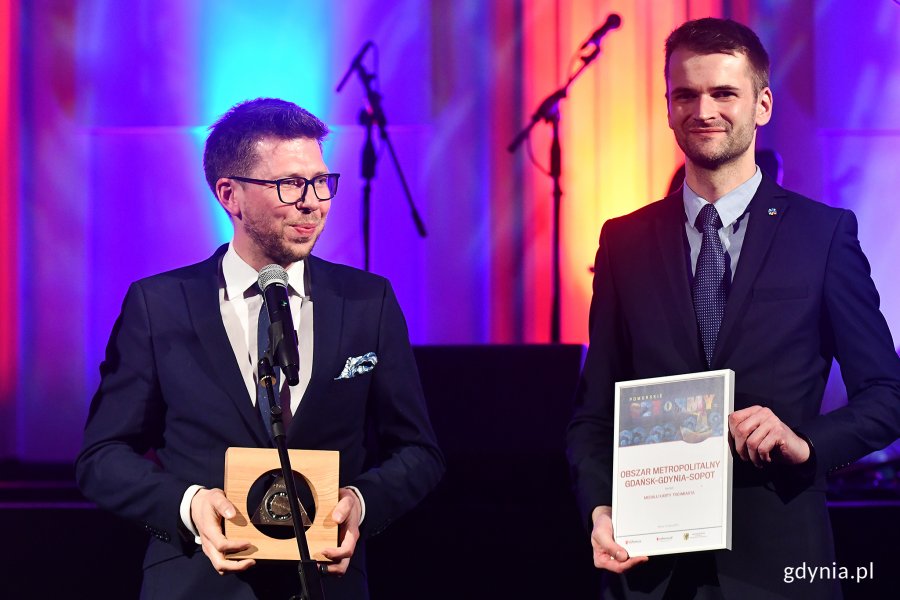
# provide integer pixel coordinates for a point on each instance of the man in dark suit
(179, 383)
(792, 292)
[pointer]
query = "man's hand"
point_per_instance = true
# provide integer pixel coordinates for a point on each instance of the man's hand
(607, 553)
(346, 514)
(208, 507)
(761, 438)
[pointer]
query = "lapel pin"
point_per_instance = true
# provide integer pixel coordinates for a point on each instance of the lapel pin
(773, 212)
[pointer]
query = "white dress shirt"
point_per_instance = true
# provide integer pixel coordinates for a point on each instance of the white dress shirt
(240, 302)
(732, 209)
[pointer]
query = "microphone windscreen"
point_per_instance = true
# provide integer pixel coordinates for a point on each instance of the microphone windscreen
(270, 274)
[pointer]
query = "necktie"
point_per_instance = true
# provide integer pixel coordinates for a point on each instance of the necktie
(709, 288)
(262, 345)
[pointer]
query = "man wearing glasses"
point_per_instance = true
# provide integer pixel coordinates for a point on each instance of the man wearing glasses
(179, 380)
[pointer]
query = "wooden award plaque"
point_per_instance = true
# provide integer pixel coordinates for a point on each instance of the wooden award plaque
(243, 466)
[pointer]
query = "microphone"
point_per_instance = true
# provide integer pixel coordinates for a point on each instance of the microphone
(612, 22)
(273, 280)
(354, 65)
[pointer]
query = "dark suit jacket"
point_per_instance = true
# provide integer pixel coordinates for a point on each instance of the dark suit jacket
(170, 384)
(801, 295)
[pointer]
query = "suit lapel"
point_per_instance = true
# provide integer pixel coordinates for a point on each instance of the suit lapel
(328, 307)
(671, 247)
(766, 211)
(202, 295)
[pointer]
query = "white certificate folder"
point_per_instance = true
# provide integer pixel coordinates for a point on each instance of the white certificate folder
(672, 463)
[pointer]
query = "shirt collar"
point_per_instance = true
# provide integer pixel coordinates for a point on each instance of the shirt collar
(730, 206)
(239, 276)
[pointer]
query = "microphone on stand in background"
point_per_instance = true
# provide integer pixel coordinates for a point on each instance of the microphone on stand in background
(354, 64)
(612, 22)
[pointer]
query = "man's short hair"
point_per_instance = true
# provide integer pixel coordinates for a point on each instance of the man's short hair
(721, 36)
(231, 145)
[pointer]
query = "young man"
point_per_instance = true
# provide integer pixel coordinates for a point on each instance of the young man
(179, 377)
(734, 272)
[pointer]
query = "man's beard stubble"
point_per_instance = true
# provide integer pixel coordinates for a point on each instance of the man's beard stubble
(272, 242)
(736, 144)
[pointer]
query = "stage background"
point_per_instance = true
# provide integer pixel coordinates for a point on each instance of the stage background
(104, 106)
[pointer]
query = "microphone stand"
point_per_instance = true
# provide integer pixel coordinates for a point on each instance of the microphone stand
(308, 569)
(369, 161)
(548, 111)
(373, 114)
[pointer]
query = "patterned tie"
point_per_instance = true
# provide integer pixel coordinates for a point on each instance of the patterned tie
(262, 345)
(710, 287)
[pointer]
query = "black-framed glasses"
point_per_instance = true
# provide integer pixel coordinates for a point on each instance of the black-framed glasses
(292, 190)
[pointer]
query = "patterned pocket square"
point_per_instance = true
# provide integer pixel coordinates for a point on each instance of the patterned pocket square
(357, 365)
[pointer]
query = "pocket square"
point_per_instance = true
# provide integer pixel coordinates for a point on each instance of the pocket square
(357, 365)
